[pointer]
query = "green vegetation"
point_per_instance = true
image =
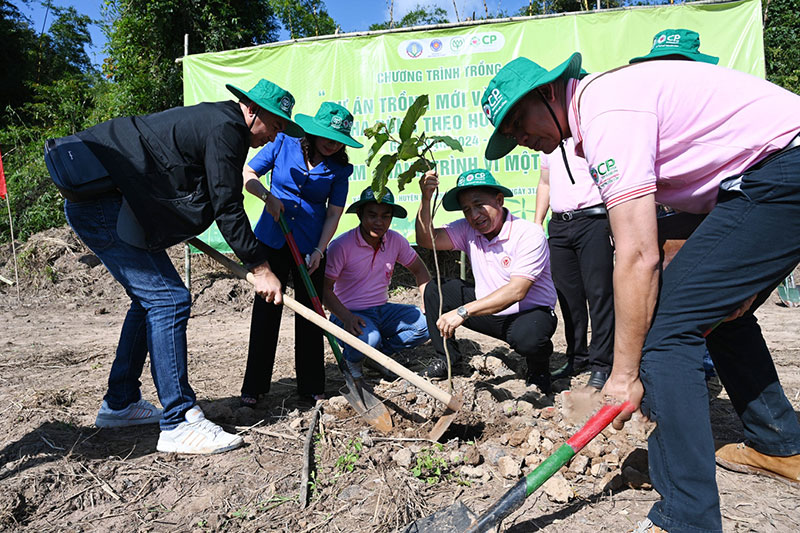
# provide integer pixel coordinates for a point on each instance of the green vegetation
(415, 148)
(50, 87)
(431, 467)
(346, 462)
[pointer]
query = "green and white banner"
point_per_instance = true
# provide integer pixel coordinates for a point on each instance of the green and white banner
(377, 76)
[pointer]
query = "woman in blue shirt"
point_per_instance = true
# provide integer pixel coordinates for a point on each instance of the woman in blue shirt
(309, 186)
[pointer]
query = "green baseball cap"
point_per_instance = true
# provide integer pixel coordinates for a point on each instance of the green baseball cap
(512, 82)
(332, 121)
(681, 42)
(272, 98)
(368, 195)
(477, 177)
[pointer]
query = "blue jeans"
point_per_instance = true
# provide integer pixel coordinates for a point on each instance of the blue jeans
(390, 328)
(746, 246)
(156, 320)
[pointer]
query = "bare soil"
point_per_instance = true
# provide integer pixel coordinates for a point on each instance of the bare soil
(60, 473)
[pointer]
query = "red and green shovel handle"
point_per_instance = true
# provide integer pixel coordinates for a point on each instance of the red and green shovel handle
(312, 293)
(512, 499)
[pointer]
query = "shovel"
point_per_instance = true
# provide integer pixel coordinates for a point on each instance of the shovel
(457, 518)
(363, 402)
(789, 293)
(452, 402)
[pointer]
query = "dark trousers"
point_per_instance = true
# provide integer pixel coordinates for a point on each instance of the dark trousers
(528, 333)
(746, 246)
(265, 325)
(582, 263)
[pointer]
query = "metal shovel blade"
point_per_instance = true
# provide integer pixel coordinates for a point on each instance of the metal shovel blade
(454, 518)
(789, 293)
(446, 419)
(366, 404)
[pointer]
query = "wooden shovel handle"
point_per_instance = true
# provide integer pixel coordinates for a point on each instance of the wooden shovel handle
(416, 380)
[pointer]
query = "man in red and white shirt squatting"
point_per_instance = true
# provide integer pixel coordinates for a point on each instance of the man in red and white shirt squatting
(357, 276)
(702, 139)
(513, 296)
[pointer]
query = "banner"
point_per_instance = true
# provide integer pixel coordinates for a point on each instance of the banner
(377, 76)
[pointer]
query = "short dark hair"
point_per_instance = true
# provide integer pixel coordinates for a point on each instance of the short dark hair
(309, 145)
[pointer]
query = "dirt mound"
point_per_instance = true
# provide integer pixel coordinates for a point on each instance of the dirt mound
(60, 473)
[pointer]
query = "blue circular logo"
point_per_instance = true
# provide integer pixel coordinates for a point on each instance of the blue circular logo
(436, 45)
(414, 49)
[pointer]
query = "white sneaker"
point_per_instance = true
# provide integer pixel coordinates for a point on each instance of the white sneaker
(197, 435)
(141, 412)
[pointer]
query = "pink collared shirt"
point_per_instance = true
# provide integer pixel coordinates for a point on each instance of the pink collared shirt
(676, 129)
(361, 273)
(520, 249)
(564, 196)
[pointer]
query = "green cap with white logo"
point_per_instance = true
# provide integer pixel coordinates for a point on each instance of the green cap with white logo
(477, 177)
(368, 195)
(515, 80)
(681, 42)
(272, 98)
(332, 121)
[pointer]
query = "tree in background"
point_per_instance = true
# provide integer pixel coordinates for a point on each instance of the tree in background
(304, 18)
(782, 43)
(419, 16)
(48, 90)
(146, 36)
(19, 41)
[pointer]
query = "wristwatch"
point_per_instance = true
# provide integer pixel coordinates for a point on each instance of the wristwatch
(264, 196)
(462, 312)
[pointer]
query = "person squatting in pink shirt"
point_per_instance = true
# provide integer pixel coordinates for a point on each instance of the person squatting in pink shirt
(357, 275)
(513, 296)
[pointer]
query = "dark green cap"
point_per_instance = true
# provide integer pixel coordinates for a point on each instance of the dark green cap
(680, 42)
(477, 177)
(512, 82)
(272, 98)
(332, 121)
(367, 196)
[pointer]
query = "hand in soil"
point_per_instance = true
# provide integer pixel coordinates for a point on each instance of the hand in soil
(620, 389)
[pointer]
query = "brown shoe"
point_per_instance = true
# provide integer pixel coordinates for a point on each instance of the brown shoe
(742, 458)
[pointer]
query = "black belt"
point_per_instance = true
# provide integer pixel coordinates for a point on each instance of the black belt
(595, 210)
(734, 183)
(794, 143)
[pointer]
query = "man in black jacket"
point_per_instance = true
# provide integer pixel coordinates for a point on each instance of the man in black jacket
(175, 173)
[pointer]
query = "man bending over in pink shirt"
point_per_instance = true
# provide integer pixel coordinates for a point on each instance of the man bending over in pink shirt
(357, 276)
(513, 296)
(701, 139)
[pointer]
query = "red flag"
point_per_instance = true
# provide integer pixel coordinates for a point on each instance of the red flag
(3, 190)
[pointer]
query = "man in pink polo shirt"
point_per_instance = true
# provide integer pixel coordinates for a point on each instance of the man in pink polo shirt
(357, 275)
(701, 139)
(582, 260)
(513, 295)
